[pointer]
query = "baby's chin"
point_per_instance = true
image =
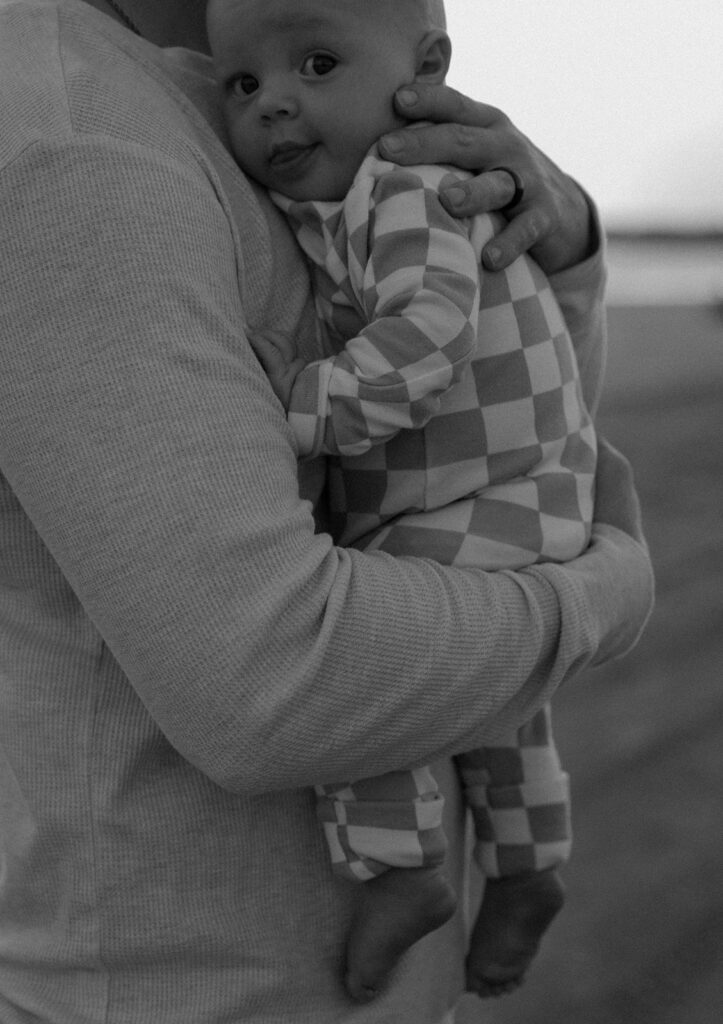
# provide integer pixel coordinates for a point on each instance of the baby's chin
(323, 191)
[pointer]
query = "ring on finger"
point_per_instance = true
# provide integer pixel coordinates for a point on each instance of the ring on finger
(518, 194)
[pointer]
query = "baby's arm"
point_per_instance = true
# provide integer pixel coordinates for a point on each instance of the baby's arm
(417, 282)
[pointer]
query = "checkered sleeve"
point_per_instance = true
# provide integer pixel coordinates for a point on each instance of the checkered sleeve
(416, 279)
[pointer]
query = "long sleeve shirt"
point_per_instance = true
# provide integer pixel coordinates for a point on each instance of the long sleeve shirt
(181, 654)
(397, 292)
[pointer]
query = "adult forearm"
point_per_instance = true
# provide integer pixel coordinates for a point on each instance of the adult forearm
(346, 664)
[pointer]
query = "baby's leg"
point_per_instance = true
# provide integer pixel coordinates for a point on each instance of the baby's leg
(387, 833)
(519, 798)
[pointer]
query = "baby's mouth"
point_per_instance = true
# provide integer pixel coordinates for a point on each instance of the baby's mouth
(287, 155)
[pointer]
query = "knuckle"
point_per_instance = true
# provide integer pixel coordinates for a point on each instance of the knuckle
(465, 137)
(539, 222)
(530, 225)
(547, 223)
(529, 230)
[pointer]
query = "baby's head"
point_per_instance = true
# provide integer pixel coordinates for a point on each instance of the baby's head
(308, 84)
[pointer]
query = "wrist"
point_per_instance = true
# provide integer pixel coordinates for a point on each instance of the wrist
(613, 587)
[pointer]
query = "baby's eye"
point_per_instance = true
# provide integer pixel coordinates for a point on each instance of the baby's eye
(245, 84)
(318, 64)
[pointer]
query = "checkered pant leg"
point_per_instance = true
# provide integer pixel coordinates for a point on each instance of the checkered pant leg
(393, 820)
(520, 802)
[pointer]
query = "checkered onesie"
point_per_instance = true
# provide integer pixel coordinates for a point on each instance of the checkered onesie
(450, 402)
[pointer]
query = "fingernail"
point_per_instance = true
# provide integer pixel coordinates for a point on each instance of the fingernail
(393, 143)
(455, 196)
(407, 97)
(493, 255)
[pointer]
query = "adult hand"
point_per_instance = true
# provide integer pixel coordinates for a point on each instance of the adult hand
(553, 220)
(622, 608)
(616, 500)
(276, 352)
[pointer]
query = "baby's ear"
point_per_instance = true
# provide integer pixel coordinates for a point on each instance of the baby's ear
(433, 55)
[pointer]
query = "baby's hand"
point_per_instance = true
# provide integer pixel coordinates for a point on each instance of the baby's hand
(277, 354)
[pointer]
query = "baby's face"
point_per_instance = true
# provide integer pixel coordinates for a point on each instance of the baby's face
(308, 87)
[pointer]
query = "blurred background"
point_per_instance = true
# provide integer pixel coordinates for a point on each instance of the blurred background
(627, 96)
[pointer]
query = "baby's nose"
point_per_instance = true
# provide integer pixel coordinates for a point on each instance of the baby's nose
(277, 101)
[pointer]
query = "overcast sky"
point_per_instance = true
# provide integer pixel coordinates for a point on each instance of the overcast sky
(627, 95)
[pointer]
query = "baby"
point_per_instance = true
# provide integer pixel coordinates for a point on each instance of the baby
(450, 402)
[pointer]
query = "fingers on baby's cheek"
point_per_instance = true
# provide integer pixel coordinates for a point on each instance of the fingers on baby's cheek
(434, 102)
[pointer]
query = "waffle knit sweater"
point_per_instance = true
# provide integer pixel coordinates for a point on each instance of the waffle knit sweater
(181, 655)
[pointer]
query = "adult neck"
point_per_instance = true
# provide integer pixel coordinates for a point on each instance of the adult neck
(163, 22)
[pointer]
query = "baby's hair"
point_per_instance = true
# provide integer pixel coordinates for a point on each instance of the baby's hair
(427, 14)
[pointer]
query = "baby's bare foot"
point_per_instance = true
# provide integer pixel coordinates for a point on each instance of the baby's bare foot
(516, 912)
(398, 908)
